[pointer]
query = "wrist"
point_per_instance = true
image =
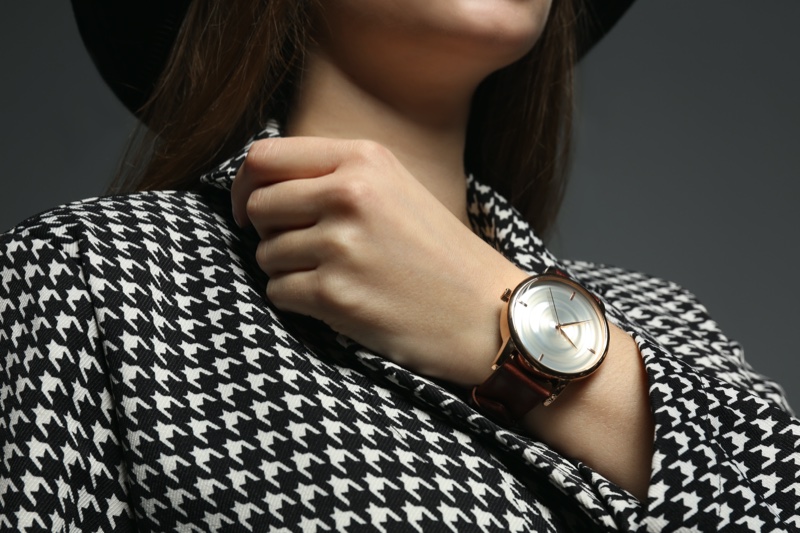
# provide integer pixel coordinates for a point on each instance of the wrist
(603, 416)
(474, 344)
(554, 332)
(604, 420)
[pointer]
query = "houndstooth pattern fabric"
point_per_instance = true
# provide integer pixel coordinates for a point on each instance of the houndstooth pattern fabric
(148, 385)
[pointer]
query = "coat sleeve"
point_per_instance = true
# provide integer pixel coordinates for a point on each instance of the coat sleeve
(725, 458)
(727, 446)
(62, 466)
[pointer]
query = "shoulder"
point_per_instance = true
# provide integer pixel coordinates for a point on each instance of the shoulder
(136, 237)
(614, 277)
(639, 292)
(106, 214)
(665, 309)
(678, 322)
(113, 224)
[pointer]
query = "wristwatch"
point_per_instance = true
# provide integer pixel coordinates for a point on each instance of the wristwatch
(554, 331)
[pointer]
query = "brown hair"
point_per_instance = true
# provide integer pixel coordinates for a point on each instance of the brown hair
(235, 64)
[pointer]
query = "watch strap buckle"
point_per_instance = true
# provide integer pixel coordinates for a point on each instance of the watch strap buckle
(510, 392)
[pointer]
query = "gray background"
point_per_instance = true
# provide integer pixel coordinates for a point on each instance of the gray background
(686, 167)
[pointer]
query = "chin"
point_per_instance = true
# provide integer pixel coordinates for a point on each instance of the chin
(456, 39)
(503, 29)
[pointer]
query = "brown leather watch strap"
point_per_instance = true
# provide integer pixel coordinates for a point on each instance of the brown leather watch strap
(509, 392)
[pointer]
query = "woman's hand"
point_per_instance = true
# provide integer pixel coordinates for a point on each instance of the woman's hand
(350, 237)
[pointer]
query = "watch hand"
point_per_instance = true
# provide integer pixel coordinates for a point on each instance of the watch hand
(574, 323)
(555, 311)
(566, 336)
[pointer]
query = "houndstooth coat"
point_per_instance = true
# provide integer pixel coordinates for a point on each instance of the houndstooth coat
(148, 385)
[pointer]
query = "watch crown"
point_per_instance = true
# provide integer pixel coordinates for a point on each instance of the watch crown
(506, 295)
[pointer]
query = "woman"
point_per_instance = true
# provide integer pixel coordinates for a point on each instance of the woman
(162, 391)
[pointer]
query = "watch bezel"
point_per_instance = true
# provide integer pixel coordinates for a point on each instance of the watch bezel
(530, 361)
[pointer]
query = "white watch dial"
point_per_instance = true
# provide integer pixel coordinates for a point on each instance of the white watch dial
(559, 326)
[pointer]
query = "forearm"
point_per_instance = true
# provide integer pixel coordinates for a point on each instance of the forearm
(604, 420)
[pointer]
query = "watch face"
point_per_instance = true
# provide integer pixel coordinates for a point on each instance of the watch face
(558, 326)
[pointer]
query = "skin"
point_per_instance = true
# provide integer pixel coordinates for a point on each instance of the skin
(363, 221)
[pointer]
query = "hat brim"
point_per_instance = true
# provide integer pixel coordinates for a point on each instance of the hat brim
(130, 40)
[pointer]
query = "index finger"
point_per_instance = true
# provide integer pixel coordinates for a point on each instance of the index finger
(275, 160)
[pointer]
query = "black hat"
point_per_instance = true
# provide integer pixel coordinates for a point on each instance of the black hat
(130, 40)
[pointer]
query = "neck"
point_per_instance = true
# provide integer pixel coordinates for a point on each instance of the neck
(425, 126)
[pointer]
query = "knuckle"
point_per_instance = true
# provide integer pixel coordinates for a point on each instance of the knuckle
(275, 293)
(257, 159)
(257, 202)
(251, 159)
(263, 257)
(283, 292)
(339, 244)
(330, 293)
(370, 151)
(351, 193)
(261, 151)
